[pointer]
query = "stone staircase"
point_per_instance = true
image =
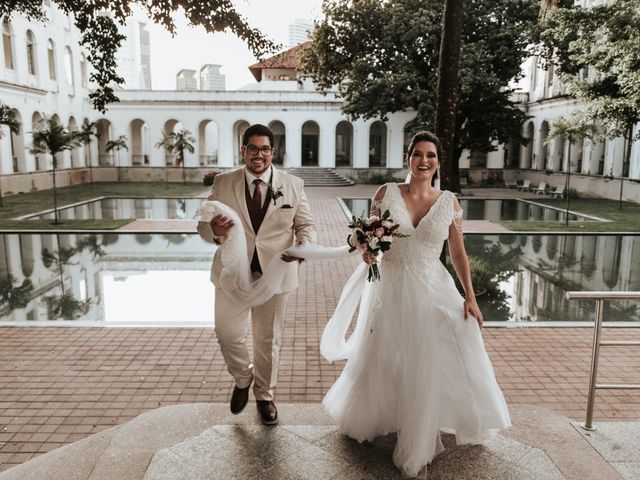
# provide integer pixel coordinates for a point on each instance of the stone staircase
(205, 442)
(320, 177)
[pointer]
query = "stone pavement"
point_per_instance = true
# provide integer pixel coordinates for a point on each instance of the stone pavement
(60, 385)
(203, 441)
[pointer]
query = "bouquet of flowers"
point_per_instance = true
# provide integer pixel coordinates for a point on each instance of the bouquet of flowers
(372, 235)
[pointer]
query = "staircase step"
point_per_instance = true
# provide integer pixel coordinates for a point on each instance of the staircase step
(320, 177)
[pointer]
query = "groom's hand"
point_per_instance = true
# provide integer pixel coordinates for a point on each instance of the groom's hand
(220, 225)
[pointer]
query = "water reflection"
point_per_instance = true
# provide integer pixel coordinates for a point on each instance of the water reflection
(487, 209)
(113, 278)
(125, 208)
(165, 277)
(544, 267)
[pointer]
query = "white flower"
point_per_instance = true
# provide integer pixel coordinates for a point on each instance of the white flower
(386, 238)
(387, 223)
(373, 242)
(372, 219)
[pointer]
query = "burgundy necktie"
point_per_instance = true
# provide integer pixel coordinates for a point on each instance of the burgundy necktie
(257, 195)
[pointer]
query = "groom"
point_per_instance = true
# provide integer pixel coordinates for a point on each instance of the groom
(275, 215)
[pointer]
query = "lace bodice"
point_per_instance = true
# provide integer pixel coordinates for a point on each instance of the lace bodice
(423, 244)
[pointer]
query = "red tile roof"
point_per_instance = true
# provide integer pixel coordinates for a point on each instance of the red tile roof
(285, 60)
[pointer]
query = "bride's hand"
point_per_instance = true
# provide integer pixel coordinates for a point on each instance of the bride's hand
(369, 258)
(471, 308)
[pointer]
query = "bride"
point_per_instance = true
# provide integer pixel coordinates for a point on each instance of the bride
(419, 367)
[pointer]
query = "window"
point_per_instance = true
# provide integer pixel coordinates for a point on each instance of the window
(68, 66)
(31, 54)
(6, 44)
(52, 60)
(83, 71)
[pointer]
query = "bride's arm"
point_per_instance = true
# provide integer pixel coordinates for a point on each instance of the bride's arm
(460, 262)
(375, 210)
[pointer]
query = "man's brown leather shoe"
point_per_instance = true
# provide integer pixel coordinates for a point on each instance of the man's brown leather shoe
(268, 412)
(239, 399)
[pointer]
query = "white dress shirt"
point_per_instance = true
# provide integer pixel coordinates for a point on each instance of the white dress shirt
(265, 177)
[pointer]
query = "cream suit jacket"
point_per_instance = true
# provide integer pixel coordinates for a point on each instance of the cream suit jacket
(281, 228)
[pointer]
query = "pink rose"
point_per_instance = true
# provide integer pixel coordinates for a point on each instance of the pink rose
(379, 232)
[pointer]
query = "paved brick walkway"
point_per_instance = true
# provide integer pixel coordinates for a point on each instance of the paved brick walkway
(58, 385)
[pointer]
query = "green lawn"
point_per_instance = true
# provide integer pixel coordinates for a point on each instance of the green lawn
(626, 219)
(32, 202)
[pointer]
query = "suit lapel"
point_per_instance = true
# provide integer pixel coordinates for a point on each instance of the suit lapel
(238, 189)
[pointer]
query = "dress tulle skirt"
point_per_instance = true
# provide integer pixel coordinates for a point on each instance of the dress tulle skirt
(419, 369)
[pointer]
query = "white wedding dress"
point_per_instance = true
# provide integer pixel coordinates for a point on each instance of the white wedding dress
(418, 368)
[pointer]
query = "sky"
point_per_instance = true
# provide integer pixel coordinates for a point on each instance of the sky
(193, 47)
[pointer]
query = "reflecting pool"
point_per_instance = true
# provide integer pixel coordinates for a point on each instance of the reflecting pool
(123, 208)
(115, 278)
(489, 209)
(164, 278)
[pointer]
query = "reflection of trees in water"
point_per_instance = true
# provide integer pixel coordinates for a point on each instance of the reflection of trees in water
(15, 296)
(490, 266)
(66, 306)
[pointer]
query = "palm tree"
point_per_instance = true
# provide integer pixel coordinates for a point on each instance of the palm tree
(183, 141)
(84, 135)
(53, 139)
(166, 142)
(177, 143)
(117, 145)
(8, 118)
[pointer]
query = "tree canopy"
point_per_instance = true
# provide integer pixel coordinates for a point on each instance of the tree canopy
(597, 51)
(97, 21)
(383, 58)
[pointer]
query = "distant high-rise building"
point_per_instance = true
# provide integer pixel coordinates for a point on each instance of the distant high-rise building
(211, 78)
(134, 56)
(299, 31)
(186, 80)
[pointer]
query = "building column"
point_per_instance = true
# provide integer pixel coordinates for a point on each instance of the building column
(293, 157)
(634, 167)
(395, 141)
(613, 158)
(156, 155)
(327, 145)
(225, 144)
(6, 157)
(360, 144)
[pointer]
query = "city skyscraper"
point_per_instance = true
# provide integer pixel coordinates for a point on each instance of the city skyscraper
(299, 31)
(211, 78)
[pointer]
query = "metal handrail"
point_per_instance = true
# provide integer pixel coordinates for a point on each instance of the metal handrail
(600, 298)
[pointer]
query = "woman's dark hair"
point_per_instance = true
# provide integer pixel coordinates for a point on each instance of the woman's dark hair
(425, 136)
(259, 130)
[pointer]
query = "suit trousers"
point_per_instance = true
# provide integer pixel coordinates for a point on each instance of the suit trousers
(267, 323)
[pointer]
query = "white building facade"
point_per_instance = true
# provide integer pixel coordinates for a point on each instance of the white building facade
(43, 72)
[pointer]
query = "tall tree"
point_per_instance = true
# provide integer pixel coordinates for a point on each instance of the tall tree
(447, 89)
(382, 57)
(572, 129)
(97, 21)
(597, 51)
(53, 139)
(85, 135)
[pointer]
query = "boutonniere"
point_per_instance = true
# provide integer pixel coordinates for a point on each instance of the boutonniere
(274, 193)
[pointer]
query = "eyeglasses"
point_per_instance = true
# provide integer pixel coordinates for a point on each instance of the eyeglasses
(253, 150)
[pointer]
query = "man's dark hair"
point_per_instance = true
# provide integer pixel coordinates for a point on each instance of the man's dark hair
(257, 129)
